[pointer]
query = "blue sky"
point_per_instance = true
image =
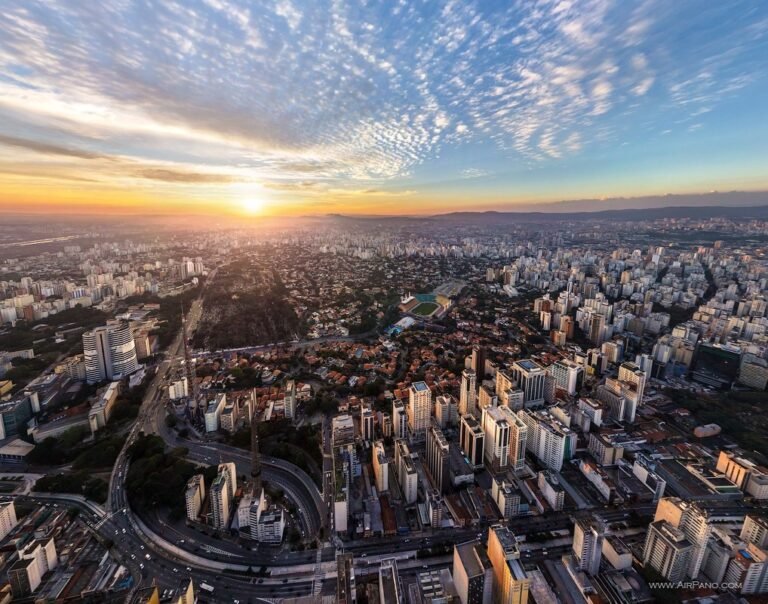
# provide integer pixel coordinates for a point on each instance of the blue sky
(380, 106)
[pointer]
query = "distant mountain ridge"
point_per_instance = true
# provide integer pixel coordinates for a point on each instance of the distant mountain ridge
(627, 215)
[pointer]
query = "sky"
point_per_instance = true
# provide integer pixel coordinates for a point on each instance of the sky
(362, 107)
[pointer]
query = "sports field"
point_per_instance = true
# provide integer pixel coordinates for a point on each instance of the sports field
(425, 309)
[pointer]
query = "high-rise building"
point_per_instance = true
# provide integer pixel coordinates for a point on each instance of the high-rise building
(230, 474)
(486, 398)
(630, 373)
(399, 420)
(472, 573)
(496, 428)
(468, 393)
(588, 538)
(194, 496)
(694, 523)
(407, 477)
(381, 465)
(504, 383)
(529, 376)
(289, 400)
(220, 502)
(419, 409)
(568, 375)
(518, 440)
(35, 560)
(445, 411)
(8, 520)
(342, 430)
(755, 530)
(472, 441)
(749, 570)
(547, 438)
(477, 361)
(366, 424)
(668, 551)
(506, 497)
(437, 458)
(255, 455)
(110, 352)
(510, 583)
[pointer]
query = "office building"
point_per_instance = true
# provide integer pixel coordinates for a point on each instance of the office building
(446, 412)
(437, 459)
(477, 361)
(472, 441)
(694, 523)
(529, 377)
(110, 352)
(496, 428)
(588, 538)
(716, 365)
(510, 583)
(667, 551)
(568, 375)
(419, 410)
(468, 393)
(472, 573)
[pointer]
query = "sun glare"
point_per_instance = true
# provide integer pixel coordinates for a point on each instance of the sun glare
(252, 206)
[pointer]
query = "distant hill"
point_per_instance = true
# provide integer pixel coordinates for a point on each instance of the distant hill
(743, 213)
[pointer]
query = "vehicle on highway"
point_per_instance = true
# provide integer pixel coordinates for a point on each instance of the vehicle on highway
(206, 587)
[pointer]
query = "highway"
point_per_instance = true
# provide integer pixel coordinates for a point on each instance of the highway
(216, 566)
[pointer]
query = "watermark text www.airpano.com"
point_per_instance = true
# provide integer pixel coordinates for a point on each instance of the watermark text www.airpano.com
(694, 585)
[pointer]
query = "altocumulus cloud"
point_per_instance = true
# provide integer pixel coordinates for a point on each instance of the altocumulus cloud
(360, 91)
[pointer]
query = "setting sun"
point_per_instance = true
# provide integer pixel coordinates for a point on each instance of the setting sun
(252, 206)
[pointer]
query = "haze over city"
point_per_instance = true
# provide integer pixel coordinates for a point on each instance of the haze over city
(290, 107)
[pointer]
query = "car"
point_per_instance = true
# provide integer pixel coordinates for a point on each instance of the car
(133, 556)
(175, 570)
(425, 566)
(141, 565)
(407, 541)
(124, 531)
(189, 570)
(147, 556)
(141, 546)
(260, 581)
(364, 556)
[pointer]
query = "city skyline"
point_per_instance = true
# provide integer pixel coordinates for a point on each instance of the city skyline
(286, 109)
